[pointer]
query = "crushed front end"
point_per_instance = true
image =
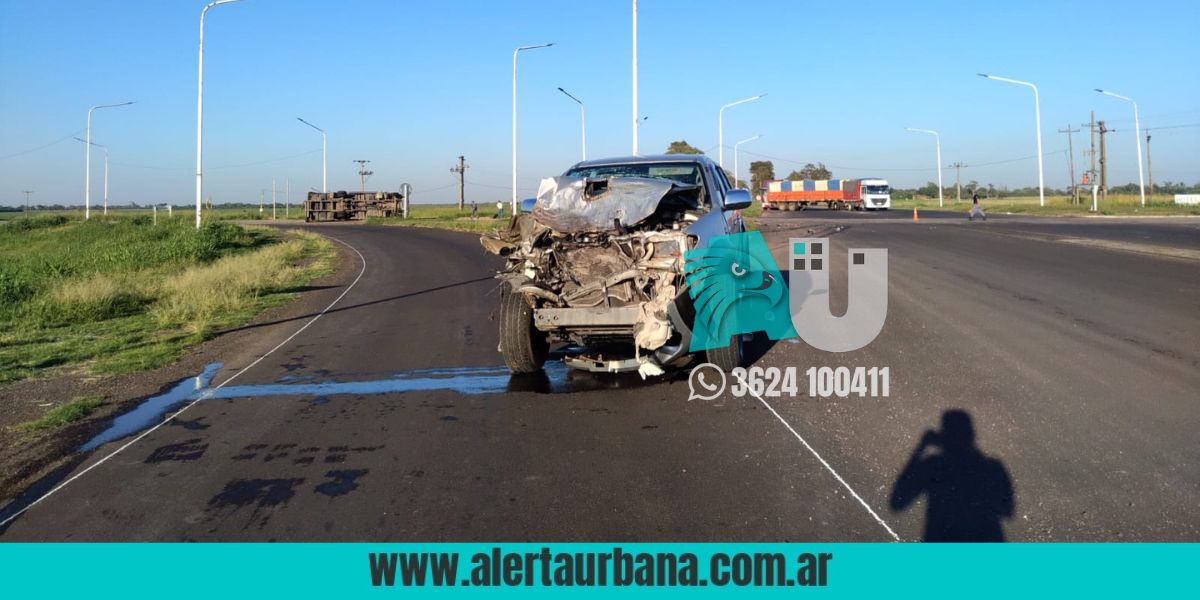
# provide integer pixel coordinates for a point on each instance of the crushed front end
(599, 264)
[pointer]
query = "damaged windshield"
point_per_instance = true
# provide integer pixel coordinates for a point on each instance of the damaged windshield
(681, 173)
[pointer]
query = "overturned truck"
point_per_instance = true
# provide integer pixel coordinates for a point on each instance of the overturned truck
(599, 265)
(350, 206)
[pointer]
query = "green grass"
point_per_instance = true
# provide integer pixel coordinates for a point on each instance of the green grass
(182, 214)
(447, 216)
(63, 414)
(120, 294)
(1126, 205)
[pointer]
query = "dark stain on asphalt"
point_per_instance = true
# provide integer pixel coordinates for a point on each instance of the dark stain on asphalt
(192, 425)
(341, 483)
(183, 451)
(448, 418)
(263, 493)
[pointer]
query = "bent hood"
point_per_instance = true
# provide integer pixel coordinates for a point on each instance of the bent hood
(576, 204)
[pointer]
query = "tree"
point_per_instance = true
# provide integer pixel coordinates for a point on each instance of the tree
(761, 171)
(682, 147)
(811, 171)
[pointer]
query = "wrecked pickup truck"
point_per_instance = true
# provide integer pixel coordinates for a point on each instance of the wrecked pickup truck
(598, 264)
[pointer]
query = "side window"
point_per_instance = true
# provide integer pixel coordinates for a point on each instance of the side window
(722, 182)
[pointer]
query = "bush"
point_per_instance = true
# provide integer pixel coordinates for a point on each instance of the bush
(16, 285)
(97, 298)
(39, 222)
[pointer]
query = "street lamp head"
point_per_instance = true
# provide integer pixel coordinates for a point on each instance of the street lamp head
(1099, 90)
(984, 75)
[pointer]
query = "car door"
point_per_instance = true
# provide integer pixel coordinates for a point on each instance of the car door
(733, 218)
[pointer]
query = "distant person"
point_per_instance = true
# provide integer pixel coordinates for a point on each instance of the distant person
(976, 210)
(968, 493)
(499, 209)
(474, 210)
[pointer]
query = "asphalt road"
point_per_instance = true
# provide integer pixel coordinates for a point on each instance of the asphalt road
(1076, 364)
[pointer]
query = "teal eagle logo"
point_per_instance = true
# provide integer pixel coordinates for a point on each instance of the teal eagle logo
(736, 288)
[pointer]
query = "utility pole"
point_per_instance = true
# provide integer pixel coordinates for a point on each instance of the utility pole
(260, 201)
(460, 169)
(1149, 171)
(1103, 161)
(1071, 161)
(363, 174)
(287, 197)
(272, 198)
(28, 192)
(1092, 152)
(957, 187)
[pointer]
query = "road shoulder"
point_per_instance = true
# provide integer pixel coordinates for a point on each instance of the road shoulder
(28, 456)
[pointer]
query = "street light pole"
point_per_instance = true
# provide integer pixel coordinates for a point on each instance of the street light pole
(324, 157)
(200, 111)
(105, 170)
(735, 157)
(937, 138)
(635, 82)
(1137, 139)
(106, 181)
(582, 119)
(721, 127)
(87, 166)
(514, 120)
(1037, 113)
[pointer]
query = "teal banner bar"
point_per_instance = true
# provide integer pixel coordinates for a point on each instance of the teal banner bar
(782, 570)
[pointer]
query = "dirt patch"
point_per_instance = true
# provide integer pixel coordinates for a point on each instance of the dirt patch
(27, 457)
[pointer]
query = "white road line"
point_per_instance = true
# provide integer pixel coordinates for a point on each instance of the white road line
(206, 394)
(826, 464)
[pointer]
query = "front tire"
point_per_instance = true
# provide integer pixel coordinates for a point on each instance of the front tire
(524, 347)
(729, 357)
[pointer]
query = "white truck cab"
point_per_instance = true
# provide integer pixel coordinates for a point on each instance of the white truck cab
(876, 195)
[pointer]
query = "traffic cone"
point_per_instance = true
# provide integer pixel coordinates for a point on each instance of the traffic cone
(915, 217)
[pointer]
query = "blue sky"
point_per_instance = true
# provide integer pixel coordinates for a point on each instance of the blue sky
(412, 85)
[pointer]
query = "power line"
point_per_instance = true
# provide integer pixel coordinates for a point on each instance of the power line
(219, 167)
(923, 169)
(43, 146)
(1172, 127)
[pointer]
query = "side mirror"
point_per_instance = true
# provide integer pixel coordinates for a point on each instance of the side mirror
(737, 199)
(527, 205)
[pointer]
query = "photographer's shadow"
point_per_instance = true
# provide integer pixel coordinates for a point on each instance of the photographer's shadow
(968, 494)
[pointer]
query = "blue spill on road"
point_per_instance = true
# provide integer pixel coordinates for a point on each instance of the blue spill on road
(478, 380)
(555, 378)
(152, 409)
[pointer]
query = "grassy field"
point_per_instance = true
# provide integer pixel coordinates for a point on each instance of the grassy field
(121, 294)
(1126, 205)
(219, 213)
(447, 216)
